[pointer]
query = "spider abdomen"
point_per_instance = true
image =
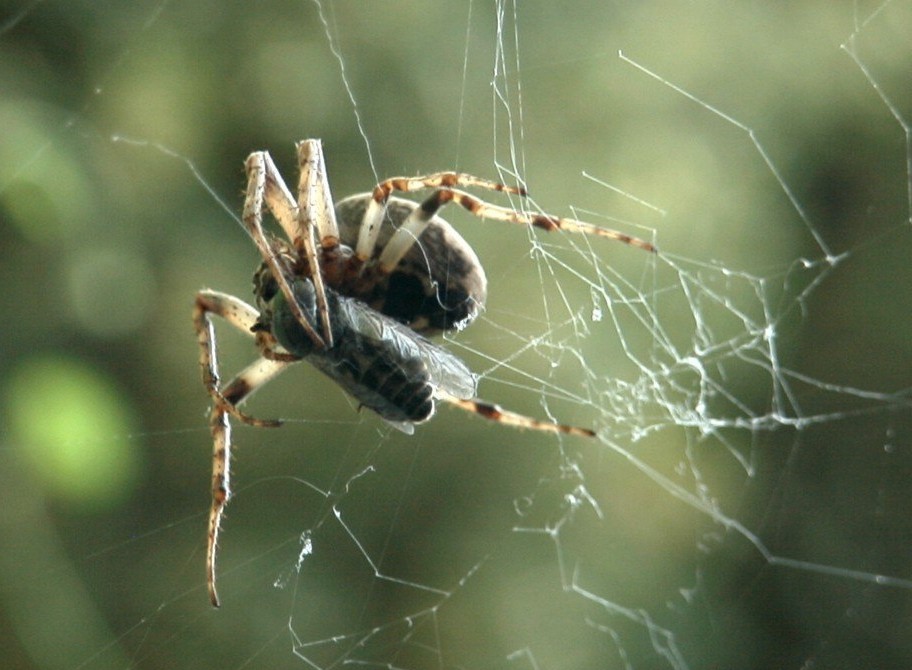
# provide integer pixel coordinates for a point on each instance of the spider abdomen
(438, 285)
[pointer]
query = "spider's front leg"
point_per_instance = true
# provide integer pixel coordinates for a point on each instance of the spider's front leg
(265, 186)
(225, 401)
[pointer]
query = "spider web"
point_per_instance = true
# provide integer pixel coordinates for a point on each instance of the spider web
(746, 503)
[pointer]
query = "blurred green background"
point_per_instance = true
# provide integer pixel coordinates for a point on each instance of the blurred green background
(123, 130)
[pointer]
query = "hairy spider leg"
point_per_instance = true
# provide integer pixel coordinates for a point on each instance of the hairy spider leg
(315, 202)
(224, 403)
(316, 216)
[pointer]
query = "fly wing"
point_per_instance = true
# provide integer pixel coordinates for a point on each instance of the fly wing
(447, 370)
(448, 373)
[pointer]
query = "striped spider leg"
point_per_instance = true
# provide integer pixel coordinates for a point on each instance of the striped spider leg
(445, 192)
(225, 401)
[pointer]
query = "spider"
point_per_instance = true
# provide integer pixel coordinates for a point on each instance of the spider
(356, 290)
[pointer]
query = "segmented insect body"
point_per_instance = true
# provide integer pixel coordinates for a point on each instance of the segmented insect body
(384, 365)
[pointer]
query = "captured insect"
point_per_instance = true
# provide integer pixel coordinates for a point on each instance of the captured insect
(356, 289)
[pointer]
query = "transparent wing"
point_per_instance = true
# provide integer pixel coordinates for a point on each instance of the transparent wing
(447, 371)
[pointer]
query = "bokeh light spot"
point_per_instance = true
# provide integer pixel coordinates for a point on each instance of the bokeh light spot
(73, 428)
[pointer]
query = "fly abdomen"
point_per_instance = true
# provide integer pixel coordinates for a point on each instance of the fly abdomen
(398, 389)
(374, 358)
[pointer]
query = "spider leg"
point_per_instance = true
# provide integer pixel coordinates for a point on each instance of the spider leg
(315, 186)
(243, 317)
(406, 235)
(376, 208)
(236, 312)
(315, 211)
(264, 183)
(441, 180)
(497, 413)
(444, 182)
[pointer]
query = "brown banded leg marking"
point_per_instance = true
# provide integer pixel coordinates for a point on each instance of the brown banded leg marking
(497, 413)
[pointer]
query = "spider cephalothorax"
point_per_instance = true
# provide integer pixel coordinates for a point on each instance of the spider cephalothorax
(354, 289)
